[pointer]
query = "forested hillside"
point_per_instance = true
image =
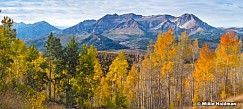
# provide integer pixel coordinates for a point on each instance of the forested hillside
(172, 74)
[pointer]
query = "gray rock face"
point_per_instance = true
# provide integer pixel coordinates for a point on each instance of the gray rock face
(138, 24)
(134, 31)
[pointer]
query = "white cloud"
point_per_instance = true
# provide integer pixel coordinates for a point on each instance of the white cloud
(70, 12)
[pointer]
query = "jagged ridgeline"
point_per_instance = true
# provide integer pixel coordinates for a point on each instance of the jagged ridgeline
(126, 31)
(173, 72)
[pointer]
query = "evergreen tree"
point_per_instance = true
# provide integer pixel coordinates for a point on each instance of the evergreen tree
(50, 55)
(87, 77)
(71, 56)
(54, 55)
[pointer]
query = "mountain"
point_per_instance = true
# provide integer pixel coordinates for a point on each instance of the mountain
(102, 43)
(130, 27)
(135, 31)
(81, 28)
(130, 24)
(35, 30)
(238, 30)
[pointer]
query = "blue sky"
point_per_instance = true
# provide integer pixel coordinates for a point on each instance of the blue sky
(218, 13)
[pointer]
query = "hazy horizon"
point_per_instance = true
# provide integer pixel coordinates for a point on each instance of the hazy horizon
(66, 13)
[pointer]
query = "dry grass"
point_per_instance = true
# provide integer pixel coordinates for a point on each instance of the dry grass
(55, 106)
(11, 101)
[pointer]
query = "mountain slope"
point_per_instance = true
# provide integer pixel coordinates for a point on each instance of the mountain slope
(134, 31)
(36, 30)
(80, 28)
(235, 29)
(192, 24)
(130, 27)
(131, 24)
(102, 43)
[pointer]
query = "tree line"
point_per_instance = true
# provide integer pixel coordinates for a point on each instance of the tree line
(172, 74)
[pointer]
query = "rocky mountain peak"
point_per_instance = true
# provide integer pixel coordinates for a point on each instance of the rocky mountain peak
(110, 16)
(132, 30)
(131, 15)
(188, 17)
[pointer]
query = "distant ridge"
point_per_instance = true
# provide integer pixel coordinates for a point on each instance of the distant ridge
(134, 31)
(35, 30)
(153, 24)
